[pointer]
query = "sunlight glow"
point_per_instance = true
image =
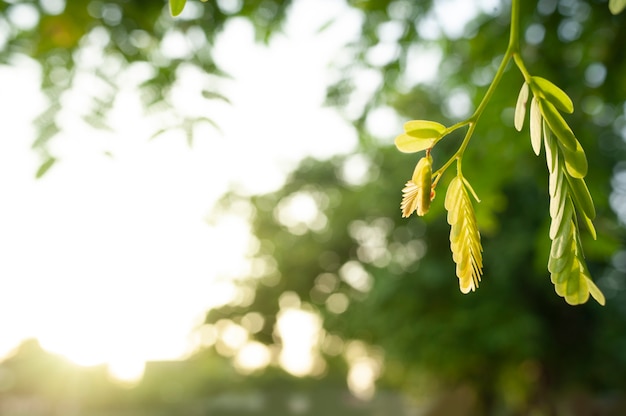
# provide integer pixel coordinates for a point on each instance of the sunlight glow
(252, 356)
(127, 371)
(300, 333)
(108, 257)
(365, 367)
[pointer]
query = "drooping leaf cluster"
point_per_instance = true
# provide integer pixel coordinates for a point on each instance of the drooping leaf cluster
(567, 165)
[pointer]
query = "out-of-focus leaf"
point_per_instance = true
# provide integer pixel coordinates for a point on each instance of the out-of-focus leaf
(177, 6)
(212, 95)
(45, 167)
(617, 6)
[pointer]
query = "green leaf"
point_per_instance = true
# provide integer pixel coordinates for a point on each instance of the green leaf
(590, 226)
(562, 241)
(558, 125)
(464, 235)
(575, 160)
(520, 107)
(595, 292)
(616, 6)
(554, 94)
(45, 166)
(177, 6)
(423, 124)
(557, 199)
(419, 135)
(562, 223)
(535, 126)
(582, 197)
(552, 149)
(411, 144)
(557, 265)
(577, 290)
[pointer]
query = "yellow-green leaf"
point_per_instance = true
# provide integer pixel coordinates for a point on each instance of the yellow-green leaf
(557, 124)
(575, 160)
(412, 127)
(552, 150)
(535, 126)
(557, 264)
(589, 224)
(177, 6)
(411, 144)
(554, 94)
(595, 292)
(616, 6)
(577, 290)
(582, 197)
(520, 107)
(464, 236)
(562, 221)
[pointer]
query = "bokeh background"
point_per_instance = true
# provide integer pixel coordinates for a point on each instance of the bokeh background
(200, 215)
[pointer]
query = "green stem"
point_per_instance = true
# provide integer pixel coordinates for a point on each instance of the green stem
(512, 51)
(520, 65)
(514, 34)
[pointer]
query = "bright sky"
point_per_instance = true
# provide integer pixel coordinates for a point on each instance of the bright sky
(111, 259)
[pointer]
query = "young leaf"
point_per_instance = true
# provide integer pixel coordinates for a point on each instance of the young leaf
(595, 292)
(177, 6)
(554, 94)
(520, 107)
(616, 6)
(582, 197)
(419, 135)
(464, 236)
(411, 144)
(568, 271)
(411, 127)
(416, 195)
(423, 179)
(552, 149)
(575, 160)
(535, 126)
(558, 125)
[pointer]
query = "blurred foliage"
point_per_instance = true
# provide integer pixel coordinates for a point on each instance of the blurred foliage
(513, 343)
(102, 40)
(34, 382)
(513, 347)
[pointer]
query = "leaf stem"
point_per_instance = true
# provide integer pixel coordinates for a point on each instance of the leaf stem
(512, 52)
